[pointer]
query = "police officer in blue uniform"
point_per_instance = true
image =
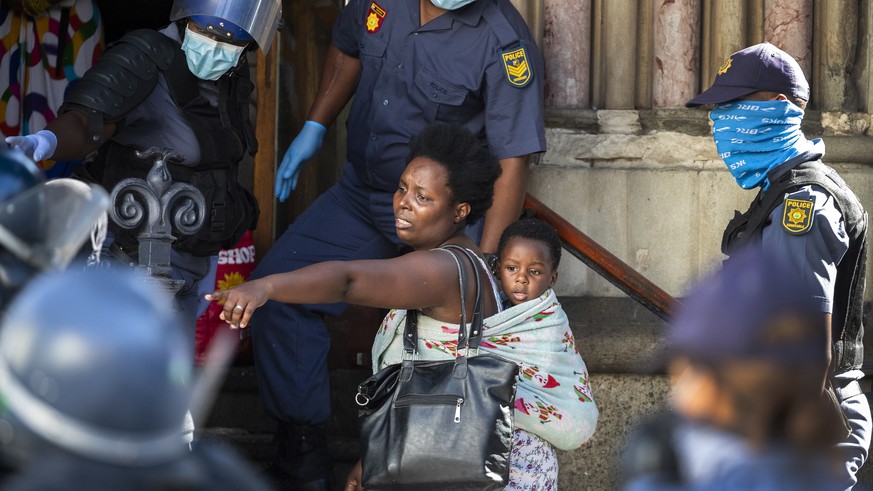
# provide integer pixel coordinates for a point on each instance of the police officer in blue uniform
(804, 211)
(407, 64)
(184, 88)
(747, 354)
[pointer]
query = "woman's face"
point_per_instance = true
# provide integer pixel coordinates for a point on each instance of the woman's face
(425, 214)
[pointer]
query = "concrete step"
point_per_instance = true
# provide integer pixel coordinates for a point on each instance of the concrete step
(238, 420)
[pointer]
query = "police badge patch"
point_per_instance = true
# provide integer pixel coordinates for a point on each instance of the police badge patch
(797, 217)
(725, 66)
(518, 71)
(375, 17)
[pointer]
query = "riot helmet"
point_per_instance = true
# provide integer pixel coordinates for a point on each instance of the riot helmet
(225, 30)
(17, 173)
(94, 363)
(233, 19)
(42, 224)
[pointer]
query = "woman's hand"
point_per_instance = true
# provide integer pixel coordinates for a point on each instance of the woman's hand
(240, 302)
(353, 482)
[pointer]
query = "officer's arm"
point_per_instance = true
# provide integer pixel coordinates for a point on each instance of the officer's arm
(509, 193)
(338, 83)
(71, 130)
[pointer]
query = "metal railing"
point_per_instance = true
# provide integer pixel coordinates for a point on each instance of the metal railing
(604, 263)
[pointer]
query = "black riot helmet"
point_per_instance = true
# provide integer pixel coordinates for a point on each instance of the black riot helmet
(94, 363)
(43, 224)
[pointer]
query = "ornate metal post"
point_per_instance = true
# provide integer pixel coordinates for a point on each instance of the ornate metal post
(159, 207)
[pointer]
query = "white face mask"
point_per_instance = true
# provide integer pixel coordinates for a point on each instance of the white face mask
(451, 4)
(207, 58)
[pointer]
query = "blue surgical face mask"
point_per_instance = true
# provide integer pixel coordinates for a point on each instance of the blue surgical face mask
(451, 4)
(754, 137)
(207, 58)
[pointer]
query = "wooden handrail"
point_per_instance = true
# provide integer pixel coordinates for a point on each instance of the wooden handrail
(606, 264)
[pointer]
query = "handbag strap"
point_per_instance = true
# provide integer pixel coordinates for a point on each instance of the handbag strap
(410, 330)
(477, 322)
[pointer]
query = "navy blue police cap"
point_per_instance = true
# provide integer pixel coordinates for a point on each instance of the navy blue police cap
(762, 67)
(757, 307)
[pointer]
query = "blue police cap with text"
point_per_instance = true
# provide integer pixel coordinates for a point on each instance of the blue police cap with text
(762, 67)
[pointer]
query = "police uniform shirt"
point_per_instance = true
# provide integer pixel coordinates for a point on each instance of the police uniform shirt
(477, 66)
(812, 236)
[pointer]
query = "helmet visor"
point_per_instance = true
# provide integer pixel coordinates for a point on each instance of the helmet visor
(49, 222)
(259, 18)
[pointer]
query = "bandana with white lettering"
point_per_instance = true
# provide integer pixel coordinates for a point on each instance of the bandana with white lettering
(753, 137)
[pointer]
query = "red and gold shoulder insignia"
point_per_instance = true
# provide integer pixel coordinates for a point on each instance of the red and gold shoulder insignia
(375, 18)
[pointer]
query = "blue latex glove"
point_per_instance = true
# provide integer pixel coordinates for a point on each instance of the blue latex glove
(38, 146)
(303, 148)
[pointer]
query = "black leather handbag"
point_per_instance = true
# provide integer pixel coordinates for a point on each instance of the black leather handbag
(439, 424)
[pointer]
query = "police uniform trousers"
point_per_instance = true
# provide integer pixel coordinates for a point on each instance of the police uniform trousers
(290, 342)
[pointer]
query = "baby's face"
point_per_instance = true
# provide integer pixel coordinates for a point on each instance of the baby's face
(525, 269)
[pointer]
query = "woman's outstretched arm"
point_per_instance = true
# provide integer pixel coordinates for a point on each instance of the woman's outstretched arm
(416, 280)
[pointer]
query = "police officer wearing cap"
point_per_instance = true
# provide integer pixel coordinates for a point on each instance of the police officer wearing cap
(185, 88)
(407, 64)
(747, 353)
(803, 211)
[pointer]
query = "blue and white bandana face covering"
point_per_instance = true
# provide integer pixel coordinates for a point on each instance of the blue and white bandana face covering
(207, 58)
(753, 137)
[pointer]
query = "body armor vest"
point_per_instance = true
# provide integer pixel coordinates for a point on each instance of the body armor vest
(121, 80)
(847, 317)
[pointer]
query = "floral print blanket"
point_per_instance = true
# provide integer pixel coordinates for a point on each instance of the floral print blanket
(553, 399)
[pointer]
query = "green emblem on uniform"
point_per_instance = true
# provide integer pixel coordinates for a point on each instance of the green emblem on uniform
(518, 71)
(797, 217)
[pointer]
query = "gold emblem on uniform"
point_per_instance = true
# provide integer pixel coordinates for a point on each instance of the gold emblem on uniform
(725, 66)
(797, 217)
(375, 17)
(518, 71)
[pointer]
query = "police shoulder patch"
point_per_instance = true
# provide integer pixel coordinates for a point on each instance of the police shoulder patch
(798, 215)
(518, 70)
(375, 17)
